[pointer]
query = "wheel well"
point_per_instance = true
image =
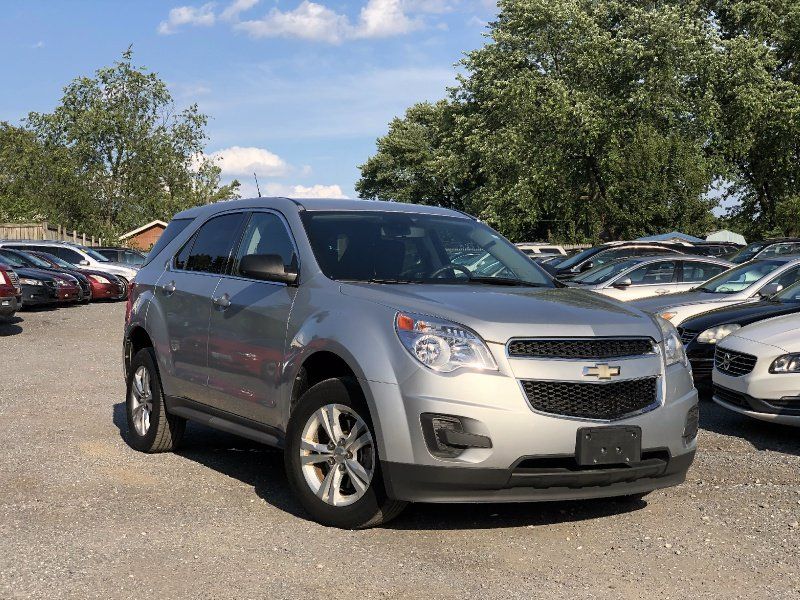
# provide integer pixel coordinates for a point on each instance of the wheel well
(319, 367)
(139, 339)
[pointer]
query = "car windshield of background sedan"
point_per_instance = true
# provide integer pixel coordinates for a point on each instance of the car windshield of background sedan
(604, 273)
(29, 260)
(95, 255)
(11, 260)
(747, 252)
(388, 247)
(740, 278)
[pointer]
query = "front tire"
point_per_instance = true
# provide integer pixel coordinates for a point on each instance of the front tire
(150, 427)
(331, 458)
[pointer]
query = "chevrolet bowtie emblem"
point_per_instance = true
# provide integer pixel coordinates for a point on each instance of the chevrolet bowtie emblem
(601, 371)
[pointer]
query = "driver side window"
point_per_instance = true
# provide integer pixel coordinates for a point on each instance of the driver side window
(660, 273)
(266, 234)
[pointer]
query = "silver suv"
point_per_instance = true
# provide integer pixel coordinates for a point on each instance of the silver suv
(348, 334)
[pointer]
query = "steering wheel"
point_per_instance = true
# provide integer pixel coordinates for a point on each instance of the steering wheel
(453, 268)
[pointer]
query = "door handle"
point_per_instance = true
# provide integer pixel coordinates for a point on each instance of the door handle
(222, 302)
(169, 288)
(661, 291)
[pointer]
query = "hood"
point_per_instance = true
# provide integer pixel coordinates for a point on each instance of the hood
(743, 314)
(39, 274)
(782, 332)
(499, 313)
(656, 304)
(117, 269)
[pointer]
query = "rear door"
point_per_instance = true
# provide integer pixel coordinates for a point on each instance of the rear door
(185, 291)
(248, 326)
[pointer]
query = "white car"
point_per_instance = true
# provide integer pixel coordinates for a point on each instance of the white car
(535, 249)
(634, 278)
(746, 283)
(757, 371)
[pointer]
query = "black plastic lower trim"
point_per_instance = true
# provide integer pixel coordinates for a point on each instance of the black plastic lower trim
(225, 421)
(425, 483)
(789, 406)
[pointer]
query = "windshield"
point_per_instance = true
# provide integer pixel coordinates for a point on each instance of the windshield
(740, 278)
(34, 261)
(58, 261)
(387, 247)
(11, 260)
(95, 255)
(747, 253)
(579, 257)
(603, 273)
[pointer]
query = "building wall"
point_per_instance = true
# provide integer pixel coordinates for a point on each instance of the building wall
(145, 240)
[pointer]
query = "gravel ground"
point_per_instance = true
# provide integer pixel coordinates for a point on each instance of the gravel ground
(84, 516)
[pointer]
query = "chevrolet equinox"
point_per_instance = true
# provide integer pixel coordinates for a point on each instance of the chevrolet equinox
(400, 353)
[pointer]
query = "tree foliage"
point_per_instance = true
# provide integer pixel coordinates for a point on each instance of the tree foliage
(115, 153)
(587, 119)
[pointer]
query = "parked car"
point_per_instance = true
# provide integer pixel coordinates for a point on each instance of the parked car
(757, 371)
(41, 287)
(767, 249)
(104, 286)
(749, 282)
(78, 255)
(701, 334)
(605, 253)
(634, 278)
(723, 250)
(10, 292)
(29, 260)
(539, 250)
(388, 373)
(123, 256)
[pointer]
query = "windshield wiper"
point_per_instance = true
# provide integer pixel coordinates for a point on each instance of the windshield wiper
(501, 281)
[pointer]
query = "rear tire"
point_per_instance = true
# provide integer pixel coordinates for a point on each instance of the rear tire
(331, 458)
(150, 427)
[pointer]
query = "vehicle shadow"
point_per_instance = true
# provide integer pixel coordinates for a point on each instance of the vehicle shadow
(762, 435)
(261, 467)
(10, 326)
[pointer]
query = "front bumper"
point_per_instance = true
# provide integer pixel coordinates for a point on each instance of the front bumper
(37, 295)
(110, 291)
(9, 305)
(519, 465)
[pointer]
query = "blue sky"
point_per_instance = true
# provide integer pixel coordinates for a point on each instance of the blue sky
(296, 90)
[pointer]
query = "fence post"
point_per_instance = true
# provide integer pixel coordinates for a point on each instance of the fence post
(44, 230)
(74, 237)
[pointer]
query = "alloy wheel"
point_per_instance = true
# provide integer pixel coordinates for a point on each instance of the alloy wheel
(141, 400)
(337, 455)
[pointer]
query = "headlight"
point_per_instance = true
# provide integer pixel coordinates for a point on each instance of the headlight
(27, 281)
(715, 334)
(788, 363)
(667, 315)
(673, 347)
(99, 279)
(63, 282)
(442, 345)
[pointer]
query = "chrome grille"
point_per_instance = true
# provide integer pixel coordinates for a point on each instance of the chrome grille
(702, 367)
(606, 401)
(733, 363)
(687, 335)
(580, 348)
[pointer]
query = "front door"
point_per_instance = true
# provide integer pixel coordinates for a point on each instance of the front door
(248, 327)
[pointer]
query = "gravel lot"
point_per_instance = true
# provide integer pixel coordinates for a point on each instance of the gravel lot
(84, 516)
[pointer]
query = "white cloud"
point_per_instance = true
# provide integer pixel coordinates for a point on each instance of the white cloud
(247, 189)
(231, 13)
(37, 45)
(313, 21)
(188, 15)
(244, 161)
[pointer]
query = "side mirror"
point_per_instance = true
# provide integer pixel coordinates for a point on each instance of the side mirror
(623, 283)
(266, 267)
(84, 263)
(586, 266)
(770, 290)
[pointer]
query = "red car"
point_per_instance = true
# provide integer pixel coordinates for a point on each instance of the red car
(104, 285)
(10, 292)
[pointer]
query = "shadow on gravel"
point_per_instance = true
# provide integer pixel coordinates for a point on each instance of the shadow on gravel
(10, 326)
(762, 435)
(251, 463)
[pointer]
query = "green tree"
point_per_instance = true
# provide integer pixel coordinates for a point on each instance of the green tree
(579, 119)
(137, 156)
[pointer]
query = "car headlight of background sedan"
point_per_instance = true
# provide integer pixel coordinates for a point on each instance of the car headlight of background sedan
(714, 334)
(673, 346)
(442, 345)
(99, 279)
(27, 281)
(788, 363)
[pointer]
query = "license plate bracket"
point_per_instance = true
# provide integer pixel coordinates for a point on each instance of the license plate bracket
(617, 445)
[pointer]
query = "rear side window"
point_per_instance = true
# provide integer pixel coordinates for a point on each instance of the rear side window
(697, 272)
(266, 234)
(173, 230)
(788, 277)
(660, 273)
(68, 254)
(213, 244)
